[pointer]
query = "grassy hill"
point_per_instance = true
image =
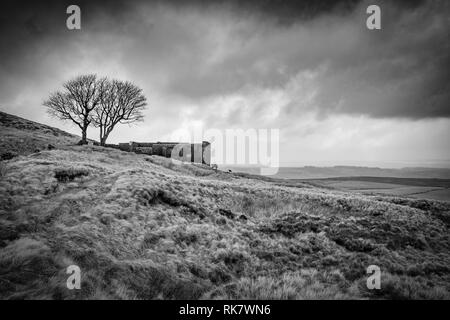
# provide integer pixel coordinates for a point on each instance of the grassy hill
(144, 227)
(19, 136)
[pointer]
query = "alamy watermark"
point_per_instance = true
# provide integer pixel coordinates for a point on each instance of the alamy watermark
(73, 22)
(74, 280)
(373, 22)
(241, 147)
(374, 280)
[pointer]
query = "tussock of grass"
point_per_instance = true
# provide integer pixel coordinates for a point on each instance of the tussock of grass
(26, 265)
(69, 174)
(401, 287)
(3, 169)
(7, 155)
(143, 227)
(306, 284)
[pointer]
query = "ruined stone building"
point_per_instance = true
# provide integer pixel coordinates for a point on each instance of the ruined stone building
(189, 152)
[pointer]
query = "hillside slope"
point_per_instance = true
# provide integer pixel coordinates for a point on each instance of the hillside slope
(20, 136)
(144, 227)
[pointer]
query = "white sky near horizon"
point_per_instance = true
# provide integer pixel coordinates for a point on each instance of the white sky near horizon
(339, 94)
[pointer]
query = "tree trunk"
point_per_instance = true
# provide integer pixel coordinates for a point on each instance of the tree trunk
(101, 136)
(84, 135)
(103, 139)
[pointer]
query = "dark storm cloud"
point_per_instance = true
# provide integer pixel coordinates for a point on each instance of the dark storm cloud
(198, 50)
(400, 71)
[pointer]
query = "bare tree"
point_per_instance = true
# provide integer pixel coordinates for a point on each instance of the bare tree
(120, 102)
(76, 101)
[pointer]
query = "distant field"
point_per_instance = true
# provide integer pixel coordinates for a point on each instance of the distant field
(417, 183)
(435, 189)
(310, 172)
(441, 194)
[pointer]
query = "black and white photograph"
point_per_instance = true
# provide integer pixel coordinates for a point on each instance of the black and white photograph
(201, 150)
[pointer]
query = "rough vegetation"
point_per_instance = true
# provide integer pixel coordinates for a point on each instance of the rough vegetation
(19, 136)
(146, 227)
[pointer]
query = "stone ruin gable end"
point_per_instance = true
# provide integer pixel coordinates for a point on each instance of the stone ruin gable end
(195, 152)
(206, 153)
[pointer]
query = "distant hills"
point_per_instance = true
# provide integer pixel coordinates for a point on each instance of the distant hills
(311, 172)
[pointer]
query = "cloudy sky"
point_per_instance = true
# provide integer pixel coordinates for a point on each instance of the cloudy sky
(338, 92)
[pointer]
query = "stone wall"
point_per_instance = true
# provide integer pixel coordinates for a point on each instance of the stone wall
(195, 152)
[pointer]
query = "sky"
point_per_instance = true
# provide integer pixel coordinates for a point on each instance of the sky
(338, 93)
